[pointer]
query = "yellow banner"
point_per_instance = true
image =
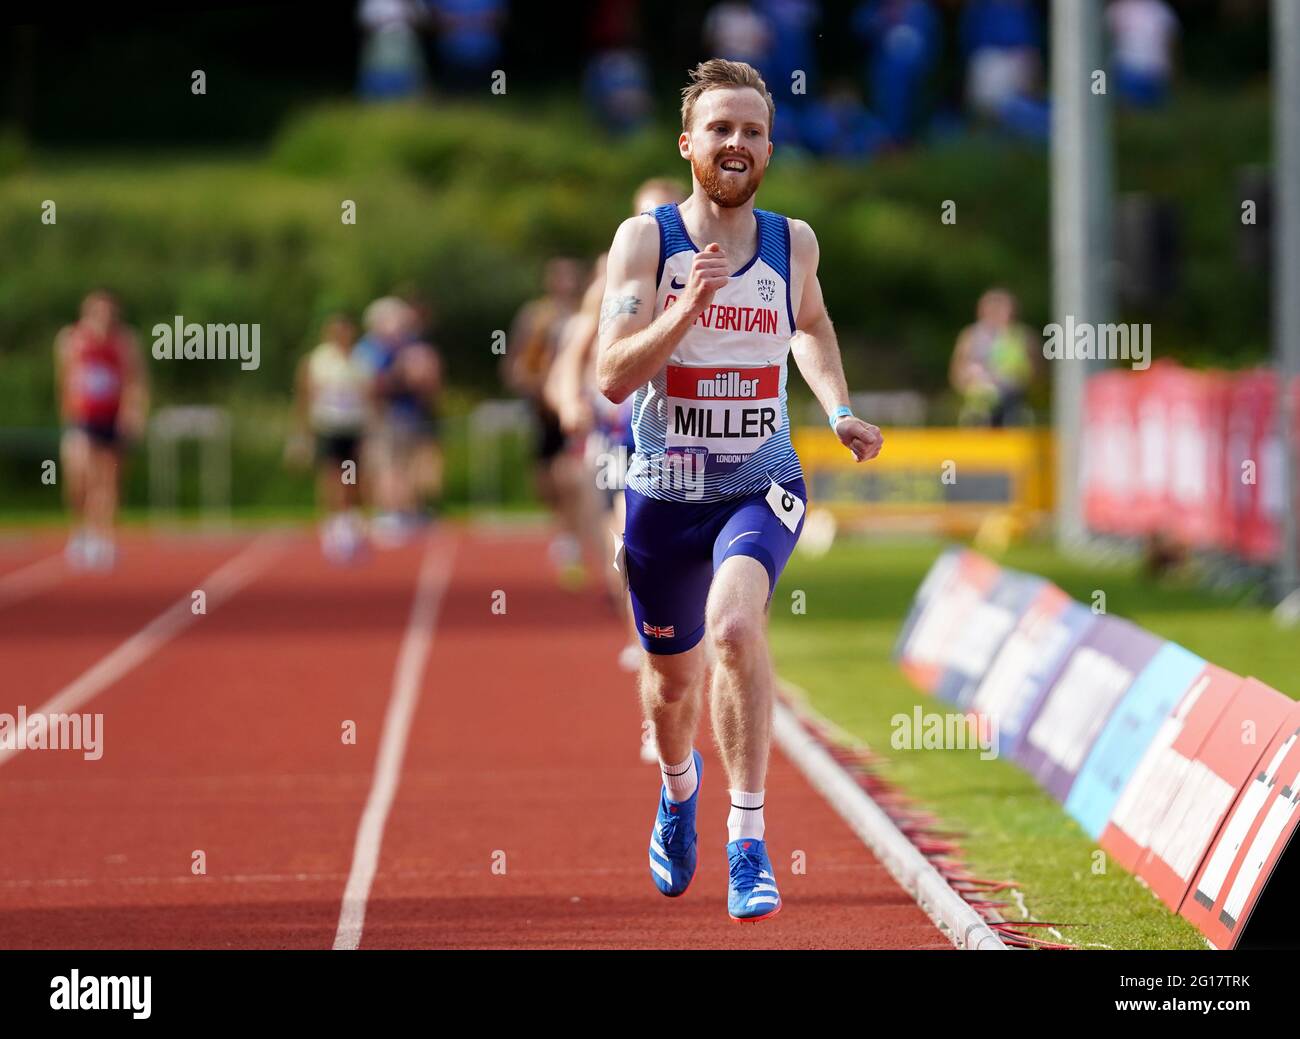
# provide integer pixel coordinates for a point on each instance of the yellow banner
(949, 480)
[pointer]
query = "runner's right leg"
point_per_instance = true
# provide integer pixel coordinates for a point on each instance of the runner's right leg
(671, 691)
(668, 558)
(74, 448)
(101, 491)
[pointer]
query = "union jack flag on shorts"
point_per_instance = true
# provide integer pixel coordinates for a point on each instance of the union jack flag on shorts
(655, 631)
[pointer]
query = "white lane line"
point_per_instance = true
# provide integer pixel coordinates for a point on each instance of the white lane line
(435, 573)
(31, 579)
(218, 586)
(915, 874)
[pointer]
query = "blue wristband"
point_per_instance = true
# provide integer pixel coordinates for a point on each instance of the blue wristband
(839, 413)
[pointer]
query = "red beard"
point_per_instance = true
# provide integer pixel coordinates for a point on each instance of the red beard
(729, 191)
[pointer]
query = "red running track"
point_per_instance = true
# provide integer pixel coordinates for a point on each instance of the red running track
(520, 819)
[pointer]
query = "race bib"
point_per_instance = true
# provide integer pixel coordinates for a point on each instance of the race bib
(620, 558)
(787, 505)
(728, 412)
(98, 381)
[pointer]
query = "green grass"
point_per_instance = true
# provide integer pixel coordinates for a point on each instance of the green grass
(839, 652)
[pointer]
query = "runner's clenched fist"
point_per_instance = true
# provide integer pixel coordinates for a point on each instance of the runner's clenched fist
(709, 272)
(862, 438)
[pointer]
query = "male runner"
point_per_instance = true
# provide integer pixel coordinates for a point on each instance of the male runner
(715, 493)
(407, 377)
(103, 400)
(533, 341)
(333, 399)
(585, 412)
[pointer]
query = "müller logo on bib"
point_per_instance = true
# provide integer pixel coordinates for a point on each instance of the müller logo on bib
(729, 411)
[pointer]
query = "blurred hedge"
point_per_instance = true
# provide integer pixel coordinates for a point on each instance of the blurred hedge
(466, 203)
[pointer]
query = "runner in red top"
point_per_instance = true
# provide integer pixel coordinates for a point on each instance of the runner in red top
(103, 399)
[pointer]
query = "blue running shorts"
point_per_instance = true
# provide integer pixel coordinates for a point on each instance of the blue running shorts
(672, 550)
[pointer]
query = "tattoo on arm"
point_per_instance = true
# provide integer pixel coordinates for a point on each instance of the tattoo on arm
(615, 305)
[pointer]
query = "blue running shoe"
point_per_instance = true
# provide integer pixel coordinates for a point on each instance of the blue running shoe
(672, 841)
(751, 887)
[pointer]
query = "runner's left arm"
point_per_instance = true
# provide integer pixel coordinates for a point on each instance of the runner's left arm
(633, 347)
(817, 352)
(135, 392)
(61, 349)
(566, 385)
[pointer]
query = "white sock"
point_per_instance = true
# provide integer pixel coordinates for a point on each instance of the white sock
(746, 816)
(680, 780)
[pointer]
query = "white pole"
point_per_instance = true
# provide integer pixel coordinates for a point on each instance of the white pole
(1286, 268)
(1081, 213)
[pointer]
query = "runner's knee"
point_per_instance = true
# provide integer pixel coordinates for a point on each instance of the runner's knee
(735, 632)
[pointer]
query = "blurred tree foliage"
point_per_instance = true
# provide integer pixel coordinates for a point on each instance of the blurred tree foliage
(465, 202)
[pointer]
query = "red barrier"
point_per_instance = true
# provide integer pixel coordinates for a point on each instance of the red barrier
(1255, 455)
(1222, 470)
(1194, 449)
(1110, 452)
(1189, 454)
(1150, 507)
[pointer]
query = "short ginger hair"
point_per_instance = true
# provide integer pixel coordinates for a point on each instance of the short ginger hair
(719, 72)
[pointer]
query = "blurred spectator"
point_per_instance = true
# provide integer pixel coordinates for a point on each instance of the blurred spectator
(534, 339)
(1001, 41)
(332, 396)
(735, 31)
(839, 126)
(427, 376)
(469, 40)
(993, 364)
(613, 23)
(392, 66)
(790, 32)
(103, 390)
(903, 38)
(1027, 117)
(778, 35)
(1143, 33)
(617, 85)
(407, 379)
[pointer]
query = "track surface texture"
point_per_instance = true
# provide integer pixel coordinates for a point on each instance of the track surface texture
(226, 808)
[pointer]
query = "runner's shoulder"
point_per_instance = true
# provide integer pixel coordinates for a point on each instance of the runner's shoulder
(803, 242)
(636, 241)
(63, 340)
(595, 293)
(128, 340)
